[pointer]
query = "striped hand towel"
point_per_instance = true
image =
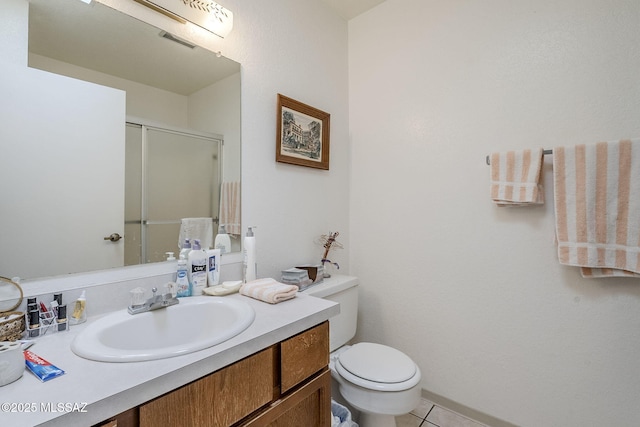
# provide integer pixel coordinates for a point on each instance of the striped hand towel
(597, 203)
(268, 290)
(515, 177)
(230, 207)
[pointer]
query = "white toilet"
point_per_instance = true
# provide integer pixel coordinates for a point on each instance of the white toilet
(377, 380)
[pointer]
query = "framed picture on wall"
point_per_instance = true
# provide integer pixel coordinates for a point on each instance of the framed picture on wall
(303, 134)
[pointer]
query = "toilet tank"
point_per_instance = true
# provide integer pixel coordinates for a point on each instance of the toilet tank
(344, 290)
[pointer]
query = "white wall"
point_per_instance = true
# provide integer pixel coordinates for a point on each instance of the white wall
(297, 48)
(221, 117)
(142, 101)
(474, 293)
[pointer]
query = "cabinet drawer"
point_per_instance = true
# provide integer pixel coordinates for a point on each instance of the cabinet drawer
(308, 406)
(303, 355)
(219, 399)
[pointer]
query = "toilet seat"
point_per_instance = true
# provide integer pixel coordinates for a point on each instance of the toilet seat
(377, 367)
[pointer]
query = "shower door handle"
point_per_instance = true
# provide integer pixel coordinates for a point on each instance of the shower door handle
(114, 237)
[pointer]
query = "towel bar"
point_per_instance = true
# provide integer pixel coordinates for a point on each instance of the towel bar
(543, 152)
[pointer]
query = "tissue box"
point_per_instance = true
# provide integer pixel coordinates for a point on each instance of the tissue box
(296, 276)
(315, 272)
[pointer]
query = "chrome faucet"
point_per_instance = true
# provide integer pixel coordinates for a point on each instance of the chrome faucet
(154, 303)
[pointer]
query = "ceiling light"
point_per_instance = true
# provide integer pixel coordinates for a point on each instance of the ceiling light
(204, 13)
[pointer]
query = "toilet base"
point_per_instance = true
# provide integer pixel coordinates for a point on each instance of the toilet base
(376, 420)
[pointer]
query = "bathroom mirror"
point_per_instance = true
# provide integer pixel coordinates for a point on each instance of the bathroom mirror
(147, 74)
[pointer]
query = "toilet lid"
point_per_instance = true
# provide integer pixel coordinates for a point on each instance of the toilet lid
(378, 363)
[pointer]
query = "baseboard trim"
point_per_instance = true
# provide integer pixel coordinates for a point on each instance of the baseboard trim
(466, 411)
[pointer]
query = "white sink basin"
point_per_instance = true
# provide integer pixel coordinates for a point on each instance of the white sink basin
(194, 324)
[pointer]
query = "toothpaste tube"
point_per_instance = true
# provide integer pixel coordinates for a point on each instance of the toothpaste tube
(42, 369)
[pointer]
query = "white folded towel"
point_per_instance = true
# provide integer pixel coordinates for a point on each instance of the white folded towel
(196, 228)
(268, 290)
(515, 177)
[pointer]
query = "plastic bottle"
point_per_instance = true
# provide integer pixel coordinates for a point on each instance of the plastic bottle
(182, 279)
(222, 241)
(197, 269)
(79, 314)
(186, 248)
(250, 266)
(213, 267)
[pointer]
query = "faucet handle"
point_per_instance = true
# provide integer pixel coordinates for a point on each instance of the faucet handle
(137, 297)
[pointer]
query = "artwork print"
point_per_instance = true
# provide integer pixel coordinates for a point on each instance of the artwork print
(303, 134)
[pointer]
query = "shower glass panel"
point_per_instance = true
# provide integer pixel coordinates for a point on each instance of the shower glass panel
(179, 177)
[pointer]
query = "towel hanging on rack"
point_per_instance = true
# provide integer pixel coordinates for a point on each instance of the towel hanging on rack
(196, 228)
(230, 207)
(515, 177)
(544, 152)
(597, 203)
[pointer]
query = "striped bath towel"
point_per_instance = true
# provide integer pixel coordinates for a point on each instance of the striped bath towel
(515, 177)
(230, 207)
(268, 290)
(597, 203)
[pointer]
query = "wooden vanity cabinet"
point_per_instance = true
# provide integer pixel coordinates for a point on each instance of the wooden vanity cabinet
(219, 399)
(305, 383)
(287, 384)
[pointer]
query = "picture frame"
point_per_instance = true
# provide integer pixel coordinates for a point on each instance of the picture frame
(303, 134)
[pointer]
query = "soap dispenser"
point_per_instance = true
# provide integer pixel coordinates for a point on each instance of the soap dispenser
(186, 248)
(222, 241)
(250, 266)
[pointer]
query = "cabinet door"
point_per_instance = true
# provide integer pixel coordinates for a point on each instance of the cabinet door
(303, 355)
(308, 406)
(219, 399)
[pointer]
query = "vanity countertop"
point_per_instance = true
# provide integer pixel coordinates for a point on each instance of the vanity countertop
(90, 392)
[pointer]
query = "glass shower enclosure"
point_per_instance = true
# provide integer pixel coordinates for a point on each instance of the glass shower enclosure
(169, 175)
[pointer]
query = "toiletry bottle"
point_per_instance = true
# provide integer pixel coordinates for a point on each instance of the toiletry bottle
(222, 241)
(62, 318)
(186, 248)
(182, 279)
(79, 310)
(213, 267)
(250, 266)
(34, 323)
(197, 269)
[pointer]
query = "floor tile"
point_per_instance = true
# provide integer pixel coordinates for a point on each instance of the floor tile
(443, 418)
(408, 420)
(423, 409)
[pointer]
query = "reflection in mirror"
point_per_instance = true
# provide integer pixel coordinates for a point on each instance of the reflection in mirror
(92, 70)
(156, 201)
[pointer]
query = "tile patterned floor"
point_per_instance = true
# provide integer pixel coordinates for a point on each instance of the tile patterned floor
(431, 415)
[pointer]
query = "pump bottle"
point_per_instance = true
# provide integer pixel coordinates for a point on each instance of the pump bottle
(186, 248)
(222, 241)
(250, 266)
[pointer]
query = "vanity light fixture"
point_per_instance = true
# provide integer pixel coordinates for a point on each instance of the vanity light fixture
(204, 13)
(175, 39)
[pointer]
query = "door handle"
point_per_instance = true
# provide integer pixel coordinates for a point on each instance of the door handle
(114, 237)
